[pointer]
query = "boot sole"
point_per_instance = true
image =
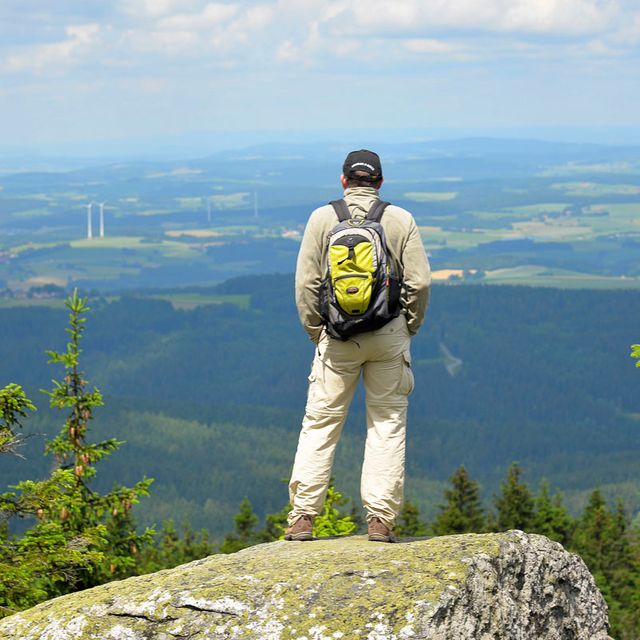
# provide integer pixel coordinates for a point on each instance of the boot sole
(378, 537)
(299, 536)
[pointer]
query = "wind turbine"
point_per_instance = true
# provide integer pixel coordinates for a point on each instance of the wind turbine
(89, 230)
(102, 218)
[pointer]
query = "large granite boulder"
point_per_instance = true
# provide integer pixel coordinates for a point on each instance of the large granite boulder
(467, 587)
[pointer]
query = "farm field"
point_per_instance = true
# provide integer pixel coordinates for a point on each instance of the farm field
(488, 211)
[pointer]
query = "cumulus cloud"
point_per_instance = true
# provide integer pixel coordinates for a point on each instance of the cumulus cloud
(79, 39)
(429, 45)
(153, 9)
(212, 15)
(246, 25)
(630, 32)
(318, 33)
(534, 16)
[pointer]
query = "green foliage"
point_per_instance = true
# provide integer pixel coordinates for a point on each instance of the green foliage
(49, 558)
(610, 549)
(551, 518)
(408, 522)
(604, 538)
(172, 548)
(14, 405)
(462, 512)
(330, 521)
(81, 537)
(85, 508)
(515, 503)
(505, 404)
(275, 524)
(635, 353)
(574, 395)
(245, 534)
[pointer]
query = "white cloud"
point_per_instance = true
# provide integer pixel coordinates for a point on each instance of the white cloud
(564, 16)
(308, 34)
(210, 29)
(170, 43)
(250, 24)
(213, 15)
(630, 32)
(79, 39)
(137, 34)
(154, 9)
(428, 45)
(534, 16)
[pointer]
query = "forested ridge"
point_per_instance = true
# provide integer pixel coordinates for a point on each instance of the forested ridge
(209, 442)
(210, 400)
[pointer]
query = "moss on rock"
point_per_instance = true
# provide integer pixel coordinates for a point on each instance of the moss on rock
(326, 589)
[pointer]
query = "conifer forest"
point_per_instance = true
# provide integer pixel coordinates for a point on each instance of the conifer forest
(140, 437)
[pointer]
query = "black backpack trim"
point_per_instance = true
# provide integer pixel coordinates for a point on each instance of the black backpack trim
(376, 211)
(341, 209)
(374, 214)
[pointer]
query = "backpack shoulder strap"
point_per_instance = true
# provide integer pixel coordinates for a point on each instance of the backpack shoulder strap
(376, 211)
(341, 209)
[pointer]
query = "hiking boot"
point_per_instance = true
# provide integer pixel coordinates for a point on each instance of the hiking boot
(378, 531)
(301, 529)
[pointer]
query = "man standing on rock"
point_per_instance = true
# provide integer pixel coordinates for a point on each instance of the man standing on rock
(362, 288)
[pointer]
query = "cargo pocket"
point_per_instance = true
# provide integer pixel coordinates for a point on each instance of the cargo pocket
(406, 379)
(314, 382)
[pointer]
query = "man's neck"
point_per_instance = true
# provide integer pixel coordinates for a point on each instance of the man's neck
(369, 191)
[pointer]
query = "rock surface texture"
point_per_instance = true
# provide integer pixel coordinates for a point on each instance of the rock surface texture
(468, 587)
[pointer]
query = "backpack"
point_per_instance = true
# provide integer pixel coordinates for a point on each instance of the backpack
(361, 288)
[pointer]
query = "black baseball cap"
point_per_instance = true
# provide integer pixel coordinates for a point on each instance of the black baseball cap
(362, 161)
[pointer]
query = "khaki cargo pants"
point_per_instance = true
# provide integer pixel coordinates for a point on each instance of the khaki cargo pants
(384, 359)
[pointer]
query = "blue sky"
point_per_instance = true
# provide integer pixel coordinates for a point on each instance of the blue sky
(78, 71)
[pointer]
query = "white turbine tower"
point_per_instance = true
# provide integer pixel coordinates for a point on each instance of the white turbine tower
(102, 218)
(89, 230)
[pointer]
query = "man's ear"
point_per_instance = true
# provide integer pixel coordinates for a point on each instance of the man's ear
(343, 180)
(380, 183)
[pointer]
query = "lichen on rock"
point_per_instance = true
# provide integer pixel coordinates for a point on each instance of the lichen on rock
(467, 587)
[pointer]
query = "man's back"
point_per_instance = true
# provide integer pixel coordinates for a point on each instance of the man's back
(403, 241)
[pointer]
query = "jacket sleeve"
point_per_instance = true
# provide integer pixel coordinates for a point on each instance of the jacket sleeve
(417, 279)
(309, 274)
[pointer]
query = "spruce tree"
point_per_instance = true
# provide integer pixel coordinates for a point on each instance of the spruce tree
(408, 522)
(462, 512)
(84, 507)
(604, 541)
(14, 406)
(172, 548)
(245, 534)
(78, 537)
(551, 518)
(275, 524)
(515, 503)
(594, 534)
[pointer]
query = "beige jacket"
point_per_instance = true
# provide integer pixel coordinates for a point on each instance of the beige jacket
(403, 241)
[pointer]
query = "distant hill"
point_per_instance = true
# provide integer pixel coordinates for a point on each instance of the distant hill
(209, 400)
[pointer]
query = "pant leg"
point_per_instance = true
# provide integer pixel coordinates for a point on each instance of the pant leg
(332, 383)
(388, 381)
